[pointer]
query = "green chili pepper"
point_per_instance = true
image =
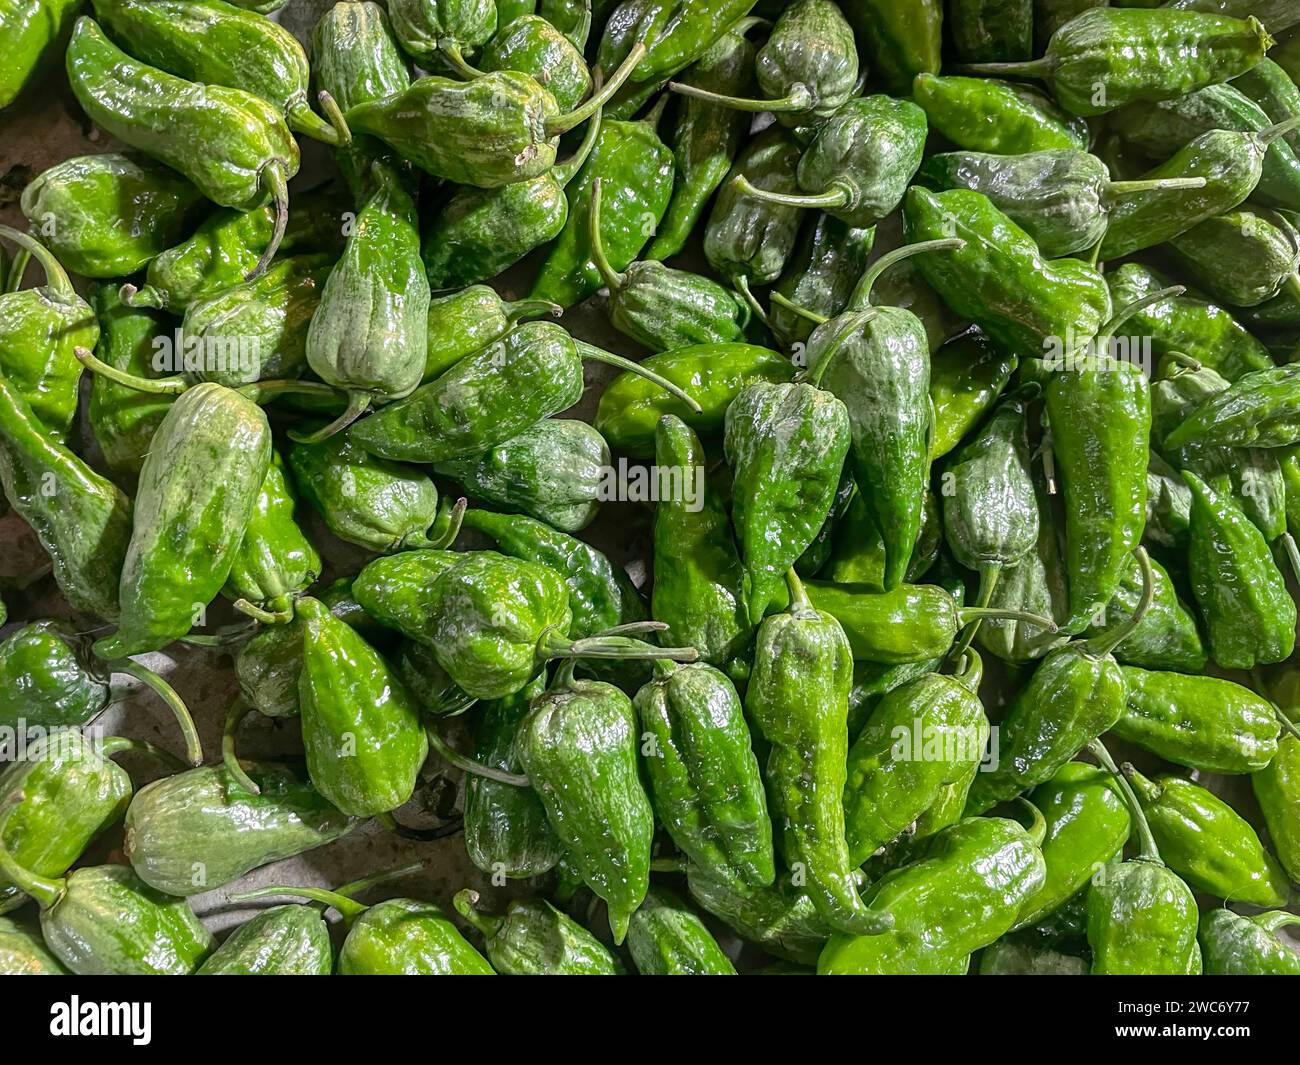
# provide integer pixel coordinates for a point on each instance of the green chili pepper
(704, 778)
(798, 699)
(781, 918)
(280, 941)
(1202, 722)
(22, 952)
(1259, 408)
(983, 115)
(533, 938)
(216, 43)
(1166, 637)
(901, 39)
(481, 232)
(571, 17)
(1248, 613)
(904, 287)
(999, 279)
(675, 33)
(988, 31)
(962, 895)
(461, 323)
(820, 275)
(249, 153)
(857, 554)
(967, 374)
(31, 30)
(1169, 504)
(578, 732)
(667, 939)
(1141, 918)
(1277, 784)
(531, 45)
(1074, 695)
(707, 135)
(1233, 945)
(1270, 86)
(1139, 56)
(631, 406)
(1243, 257)
(1207, 843)
(496, 393)
(47, 680)
(441, 29)
(109, 215)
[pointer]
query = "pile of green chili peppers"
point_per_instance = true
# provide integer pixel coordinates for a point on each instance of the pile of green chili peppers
(871, 607)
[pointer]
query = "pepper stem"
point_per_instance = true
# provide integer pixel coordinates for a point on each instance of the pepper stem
(1292, 553)
(1038, 825)
(613, 279)
(830, 199)
(852, 323)
(1183, 362)
(465, 902)
(990, 572)
(590, 351)
(307, 122)
(358, 404)
(165, 692)
(799, 601)
(239, 710)
(1120, 189)
(633, 628)
(139, 298)
(265, 391)
(1129, 309)
(159, 386)
(1030, 68)
(45, 890)
(1281, 129)
(862, 290)
(277, 184)
(518, 310)
(564, 172)
(349, 908)
(56, 278)
(1147, 849)
(445, 528)
(334, 114)
(450, 51)
(1286, 723)
(1102, 645)
(266, 617)
(553, 645)
(970, 670)
(667, 865)
(598, 99)
(751, 301)
(967, 613)
(1275, 919)
(800, 98)
(803, 312)
(453, 757)
(17, 269)
(353, 888)
(114, 745)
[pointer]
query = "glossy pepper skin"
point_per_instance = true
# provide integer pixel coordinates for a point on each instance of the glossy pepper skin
(636, 170)
(533, 938)
(1142, 919)
(1002, 117)
(220, 44)
(999, 278)
(1276, 787)
(699, 579)
(250, 152)
(22, 952)
(460, 323)
(578, 746)
(1201, 722)
(630, 407)
(1257, 252)
(820, 274)
(666, 939)
(1271, 87)
(1261, 408)
(48, 680)
(675, 34)
(902, 39)
(780, 918)
(29, 28)
(199, 830)
(962, 895)
(360, 728)
(786, 445)
(1013, 956)
(280, 941)
(86, 529)
(967, 374)
(198, 487)
(1139, 56)
(706, 137)
(439, 30)
(533, 46)
(1248, 613)
(1167, 638)
(506, 829)
(109, 215)
(40, 329)
(1087, 826)
(705, 784)
(798, 699)
(922, 737)
(1233, 945)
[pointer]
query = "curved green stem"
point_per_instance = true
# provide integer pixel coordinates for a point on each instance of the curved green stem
(800, 98)
(518, 310)
(970, 670)
(1276, 919)
(114, 745)
(451, 53)
(825, 200)
(1030, 68)
(264, 391)
(632, 628)
(1120, 189)
(165, 692)
(1184, 362)
(1292, 554)
(1147, 849)
(1038, 824)
(449, 754)
(358, 404)
(852, 323)
(861, 296)
(17, 270)
(465, 901)
(1285, 723)
(239, 710)
(968, 613)
(553, 645)
(598, 99)
(56, 278)
(277, 183)
(44, 889)
(334, 115)
(590, 351)
(445, 528)
(799, 601)
(564, 172)
(223, 637)
(349, 908)
(759, 311)
(803, 312)
(1102, 645)
(612, 278)
(1281, 129)
(266, 617)
(304, 120)
(141, 297)
(990, 572)
(353, 888)
(159, 386)
(1129, 309)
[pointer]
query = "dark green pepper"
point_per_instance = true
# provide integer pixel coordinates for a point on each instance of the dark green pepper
(1169, 504)
(1243, 257)
(902, 38)
(991, 31)
(967, 374)
(1233, 945)
(439, 30)
(820, 275)
(983, 115)
(1268, 85)
(533, 938)
(704, 778)
(1261, 408)
(675, 33)
(571, 17)
(462, 322)
(109, 215)
(1166, 638)
(531, 45)
(857, 553)
(280, 941)
(667, 939)
(31, 31)
(1277, 785)
(781, 918)
(433, 691)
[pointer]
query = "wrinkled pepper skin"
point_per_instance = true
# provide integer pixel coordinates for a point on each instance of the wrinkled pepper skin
(1255, 251)
(403, 937)
(1276, 788)
(30, 28)
(999, 279)
(1166, 638)
(198, 488)
(85, 528)
(165, 116)
(428, 29)
(967, 374)
(1271, 87)
(962, 895)
(667, 939)
(705, 783)
(821, 273)
(675, 33)
(1002, 117)
(630, 408)
(199, 830)
(1260, 409)
(1087, 826)
(48, 679)
(1233, 945)
(533, 938)
(706, 137)
(798, 699)
(1200, 722)
(1142, 920)
(1207, 843)
(553, 471)
(506, 829)
(22, 953)
(1248, 613)
(281, 941)
(460, 323)
(578, 746)
(434, 692)
(786, 445)
(901, 39)
(531, 45)
(109, 215)
(361, 731)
